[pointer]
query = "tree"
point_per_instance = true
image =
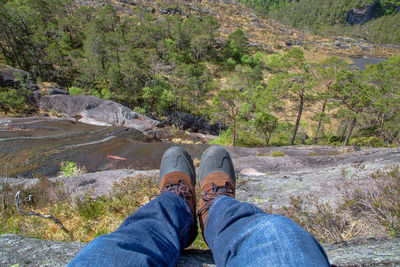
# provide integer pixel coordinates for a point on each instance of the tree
(325, 76)
(159, 95)
(236, 45)
(294, 82)
(266, 123)
(227, 105)
(385, 101)
(353, 96)
(16, 99)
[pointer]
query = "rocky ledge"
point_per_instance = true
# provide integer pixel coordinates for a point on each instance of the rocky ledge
(93, 110)
(267, 182)
(35, 252)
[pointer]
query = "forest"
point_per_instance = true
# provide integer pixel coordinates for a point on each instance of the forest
(155, 65)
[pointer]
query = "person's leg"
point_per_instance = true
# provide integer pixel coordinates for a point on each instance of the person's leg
(240, 234)
(156, 233)
(152, 236)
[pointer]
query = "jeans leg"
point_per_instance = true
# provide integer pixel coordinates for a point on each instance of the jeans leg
(240, 234)
(152, 236)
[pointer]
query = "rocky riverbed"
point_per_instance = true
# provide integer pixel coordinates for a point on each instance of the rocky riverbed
(36, 146)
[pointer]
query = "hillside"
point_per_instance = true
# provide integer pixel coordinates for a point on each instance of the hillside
(163, 57)
(374, 21)
(93, 92)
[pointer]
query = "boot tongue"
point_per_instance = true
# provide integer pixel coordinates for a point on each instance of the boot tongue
(219, 189)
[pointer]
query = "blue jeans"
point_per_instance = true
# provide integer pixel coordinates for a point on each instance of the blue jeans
(238, 233)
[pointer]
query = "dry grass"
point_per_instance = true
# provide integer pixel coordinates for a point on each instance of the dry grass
(372, 211)
(276, 154)
(85, 218)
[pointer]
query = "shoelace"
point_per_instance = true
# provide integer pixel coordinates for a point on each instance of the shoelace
(210, 195)
(180, 189)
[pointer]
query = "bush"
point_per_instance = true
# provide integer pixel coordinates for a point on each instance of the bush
(320, 219)
(231, 63)
(223, 139)
(371, 141)
(14, 100)
(280, 139)
(381, 201)
(139, 110)
(243, 139)
(89, 208)
(249, 139)
(360, 212)
(75, 91)
(70, 169)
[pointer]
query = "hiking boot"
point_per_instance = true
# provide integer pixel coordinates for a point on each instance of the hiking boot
(217, 178)
(177, 175)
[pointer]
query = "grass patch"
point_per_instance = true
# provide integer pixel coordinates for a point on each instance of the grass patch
(277, 154)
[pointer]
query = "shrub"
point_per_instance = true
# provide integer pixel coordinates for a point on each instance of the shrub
(107, 94)
(244, 139)
(320, 219)
(231, 63)
(280, 139)
(139, 110)
(381, 201)
(371, 141)
(75, 91)
(360, 211)
(249, 139)
(94, 92)
(224, 138)
(89, 207)
(70, 169)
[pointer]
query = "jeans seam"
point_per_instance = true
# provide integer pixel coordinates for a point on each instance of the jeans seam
(209, 212)
(191, 220)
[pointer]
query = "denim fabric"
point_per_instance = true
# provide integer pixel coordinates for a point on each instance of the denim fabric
(240, 234)
(152, 236)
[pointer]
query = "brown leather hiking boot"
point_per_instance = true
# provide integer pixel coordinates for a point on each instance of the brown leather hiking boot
(217, 178)
(177, 175)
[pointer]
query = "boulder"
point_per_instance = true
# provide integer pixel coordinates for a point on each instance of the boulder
(288, 43)
(11, 77)
(228, 2)
(171, 11)
(257, 45)
(298, 42)
(362, 15)
(365, 48)
(93, 110)
(257, 24)
(186, 121)
(127, 2)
